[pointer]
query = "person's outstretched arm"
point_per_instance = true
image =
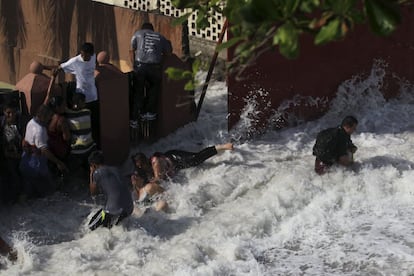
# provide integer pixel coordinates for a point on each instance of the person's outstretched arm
(223, 147)
(49, 89)
(157, 168)
(50, 156)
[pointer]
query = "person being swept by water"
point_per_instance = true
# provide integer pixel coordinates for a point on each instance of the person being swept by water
(334, 146)
(108, 180)
(7, 250)
(163, 165)
(147, 193)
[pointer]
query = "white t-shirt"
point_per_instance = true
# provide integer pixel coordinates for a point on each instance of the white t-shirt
(84, 72)
(36, 134)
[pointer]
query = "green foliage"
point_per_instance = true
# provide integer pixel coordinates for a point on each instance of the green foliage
(189, 76)
(260, 25)
(383, 15)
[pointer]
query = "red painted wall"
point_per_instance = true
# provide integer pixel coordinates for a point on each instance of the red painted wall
(320, 69)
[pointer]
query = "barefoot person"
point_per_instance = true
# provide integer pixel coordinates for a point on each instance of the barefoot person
(163, 165)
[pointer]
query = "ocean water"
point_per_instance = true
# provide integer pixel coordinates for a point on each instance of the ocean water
(259, 210)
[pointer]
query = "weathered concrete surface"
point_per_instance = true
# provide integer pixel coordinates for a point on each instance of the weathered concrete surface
(321, 69)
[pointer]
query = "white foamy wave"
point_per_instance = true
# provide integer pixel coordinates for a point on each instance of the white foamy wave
(259, 210)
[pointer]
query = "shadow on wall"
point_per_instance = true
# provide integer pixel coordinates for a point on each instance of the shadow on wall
(96, 23)
(13, 30)
(99, 21)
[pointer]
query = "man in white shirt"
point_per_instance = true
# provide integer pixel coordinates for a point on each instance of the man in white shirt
(83, 67)
(33, 165)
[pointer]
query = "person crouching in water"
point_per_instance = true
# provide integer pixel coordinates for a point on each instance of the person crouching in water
(334, 146)
(108, 180)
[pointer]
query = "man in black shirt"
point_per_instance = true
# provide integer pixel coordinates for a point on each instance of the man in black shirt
(334, 145)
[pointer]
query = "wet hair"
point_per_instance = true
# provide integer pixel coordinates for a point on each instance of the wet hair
(96, 157)
(139, 156)
(87, 47)
(140, 172)
(349, 121)
(147, 26)
(77, 97)
(55, 102)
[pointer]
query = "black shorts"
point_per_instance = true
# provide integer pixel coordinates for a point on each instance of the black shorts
(102, 218)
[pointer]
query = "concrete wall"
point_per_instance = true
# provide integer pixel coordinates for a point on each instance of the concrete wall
(50, 31)
(321, 69)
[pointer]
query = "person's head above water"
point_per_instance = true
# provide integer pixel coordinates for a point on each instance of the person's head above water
(96, 158)
(349, 124)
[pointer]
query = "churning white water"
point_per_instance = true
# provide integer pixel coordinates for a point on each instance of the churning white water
(259, 210)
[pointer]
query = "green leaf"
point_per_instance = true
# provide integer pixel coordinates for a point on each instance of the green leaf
(202, 20)
(342, 6)
(309, 6)
(187, 75)
(229, 43)
(289, 7)
(189, 86)
(174, 73)
(383, 15)
(287, 37)
(183, 4)
(196, 66)
(329, 32)
(181, 20)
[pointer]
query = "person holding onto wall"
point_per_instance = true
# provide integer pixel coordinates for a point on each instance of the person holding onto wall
(108, 180)
(163, 165)
(33, 165)
(82, 143)
(334, 146)
(147, 51)
(83, 67)
(58, 129)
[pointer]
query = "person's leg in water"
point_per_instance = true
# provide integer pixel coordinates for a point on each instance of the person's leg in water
(185, 159)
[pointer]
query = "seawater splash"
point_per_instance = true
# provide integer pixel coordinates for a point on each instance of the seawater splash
(259, 210)
(286, 114)
(256, 103)
(357, 96)
(361, 94)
